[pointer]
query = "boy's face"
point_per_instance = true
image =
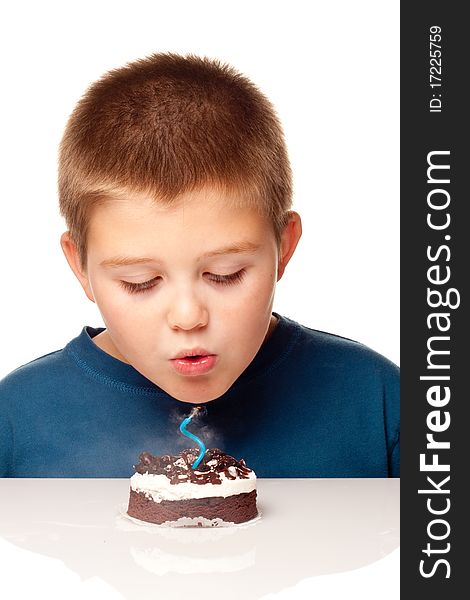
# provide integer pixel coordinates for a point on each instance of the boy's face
(197, 278)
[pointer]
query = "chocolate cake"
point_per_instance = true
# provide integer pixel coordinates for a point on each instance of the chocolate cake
(167, 490)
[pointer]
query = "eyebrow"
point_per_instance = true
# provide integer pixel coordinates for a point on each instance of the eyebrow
(123, 261)
(239, 248)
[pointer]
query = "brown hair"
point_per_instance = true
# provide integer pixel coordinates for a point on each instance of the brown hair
(168, 124)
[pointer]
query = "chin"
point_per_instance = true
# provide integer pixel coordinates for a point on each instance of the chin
(193, 401)
(198, 396)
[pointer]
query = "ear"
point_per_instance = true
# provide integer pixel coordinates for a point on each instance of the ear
(289, 240)
(71, 254)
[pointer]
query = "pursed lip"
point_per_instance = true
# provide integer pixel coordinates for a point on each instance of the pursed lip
(188, 352)
(194, 361)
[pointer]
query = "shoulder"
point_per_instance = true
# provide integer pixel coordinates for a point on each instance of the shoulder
(332, 351)
(33, 372)
(22, 393)
(353, 392)
(31, 384)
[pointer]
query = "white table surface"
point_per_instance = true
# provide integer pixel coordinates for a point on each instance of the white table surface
(314, 534)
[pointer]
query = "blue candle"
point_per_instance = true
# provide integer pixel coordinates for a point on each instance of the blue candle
(200, 443)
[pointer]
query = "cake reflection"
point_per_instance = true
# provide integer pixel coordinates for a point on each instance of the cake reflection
(158, 562)
(307, 528)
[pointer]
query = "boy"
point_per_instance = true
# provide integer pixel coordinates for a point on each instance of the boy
(175, 185)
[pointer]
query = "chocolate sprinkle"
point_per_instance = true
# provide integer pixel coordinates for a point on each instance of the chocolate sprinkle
(178, 467)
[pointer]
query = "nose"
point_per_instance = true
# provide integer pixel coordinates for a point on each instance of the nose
(187, 312)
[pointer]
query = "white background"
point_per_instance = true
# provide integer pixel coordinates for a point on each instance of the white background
(330, 68)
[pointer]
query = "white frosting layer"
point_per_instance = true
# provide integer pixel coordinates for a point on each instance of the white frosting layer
(159, 488)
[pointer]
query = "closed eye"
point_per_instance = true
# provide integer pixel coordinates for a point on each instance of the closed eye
(226, 279)
(145, 286)
(135, 288)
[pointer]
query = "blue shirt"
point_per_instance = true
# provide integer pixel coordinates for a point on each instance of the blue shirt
(310, 404)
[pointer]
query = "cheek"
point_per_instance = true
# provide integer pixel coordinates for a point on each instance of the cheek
(119, 310)
(109, 299)
(245, 315)
(256, 310)
(261, 293)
